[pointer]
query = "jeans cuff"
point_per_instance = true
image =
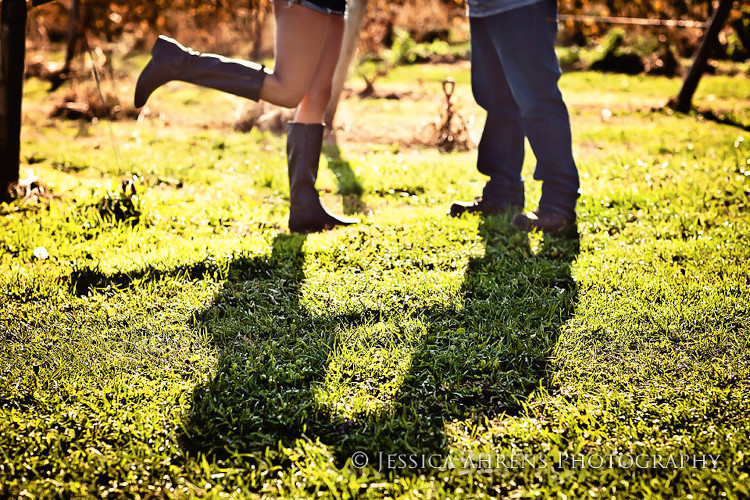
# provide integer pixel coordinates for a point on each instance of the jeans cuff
(504, 195)
(559, 198)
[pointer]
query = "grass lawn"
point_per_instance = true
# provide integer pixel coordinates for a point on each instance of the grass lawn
(182, 343)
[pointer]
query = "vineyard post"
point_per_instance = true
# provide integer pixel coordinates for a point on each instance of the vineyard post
(12, 54)
(684, 99)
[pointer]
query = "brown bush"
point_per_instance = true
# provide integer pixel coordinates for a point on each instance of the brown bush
(243, 23)
(83, 102)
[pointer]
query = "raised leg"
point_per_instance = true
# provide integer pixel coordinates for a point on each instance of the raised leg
(301, 35)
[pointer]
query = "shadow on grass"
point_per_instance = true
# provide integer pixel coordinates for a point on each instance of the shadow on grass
(349, 186)
(723, 119)
(481, 359)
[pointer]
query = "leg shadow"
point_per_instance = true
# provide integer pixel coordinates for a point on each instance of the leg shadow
(479, 360)
(272, 354)
(483, 359)
(348, 185)
(259, 391)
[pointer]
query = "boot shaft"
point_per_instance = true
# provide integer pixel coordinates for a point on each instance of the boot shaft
(304, 142)
(303, 146)
(173, 61)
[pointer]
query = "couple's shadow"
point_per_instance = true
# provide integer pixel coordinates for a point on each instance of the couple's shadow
(285, 373)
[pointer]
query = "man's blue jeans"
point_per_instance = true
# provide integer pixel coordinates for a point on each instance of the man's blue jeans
(514, 74)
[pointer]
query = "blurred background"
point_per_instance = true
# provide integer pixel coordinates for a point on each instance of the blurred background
(633, 37)
(591, 35)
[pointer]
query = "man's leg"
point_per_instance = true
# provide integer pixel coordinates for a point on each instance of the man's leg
(524, 39)
(501, 149)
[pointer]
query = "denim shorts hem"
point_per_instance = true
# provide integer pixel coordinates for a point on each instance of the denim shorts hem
(319, 8)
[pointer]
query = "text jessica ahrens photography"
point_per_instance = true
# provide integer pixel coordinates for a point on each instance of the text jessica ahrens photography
(488, 461)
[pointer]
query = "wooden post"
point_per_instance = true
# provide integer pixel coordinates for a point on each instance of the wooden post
(75, 33)
(12, 54)
(684, 99)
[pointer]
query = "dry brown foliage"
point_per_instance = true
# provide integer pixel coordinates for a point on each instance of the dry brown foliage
(29, 193)
(244, 21)
(245, 28)
(262, 116)
(83, 102)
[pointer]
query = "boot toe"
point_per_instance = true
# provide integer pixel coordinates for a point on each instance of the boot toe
(144, 87)
(159, 69)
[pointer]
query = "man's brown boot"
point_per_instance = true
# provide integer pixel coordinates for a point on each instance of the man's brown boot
(479, 206)
(545, 221)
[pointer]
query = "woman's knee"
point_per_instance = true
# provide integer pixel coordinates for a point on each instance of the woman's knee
(286, 94)
(291, 96)
(290, 100)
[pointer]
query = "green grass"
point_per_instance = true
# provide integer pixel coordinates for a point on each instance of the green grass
(183, 343)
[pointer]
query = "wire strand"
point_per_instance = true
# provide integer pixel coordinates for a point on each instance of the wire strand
(113, 138)
(637, 21)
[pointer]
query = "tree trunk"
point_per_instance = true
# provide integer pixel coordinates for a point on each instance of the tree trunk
(75, 32)
(12, 54)
(355, 15)
(684, 100)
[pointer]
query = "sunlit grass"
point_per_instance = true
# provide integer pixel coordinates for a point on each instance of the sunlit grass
(190, 346)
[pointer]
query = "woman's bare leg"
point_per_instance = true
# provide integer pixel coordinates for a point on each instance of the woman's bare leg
(305, 139)
(313, 105)
(300, 38)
